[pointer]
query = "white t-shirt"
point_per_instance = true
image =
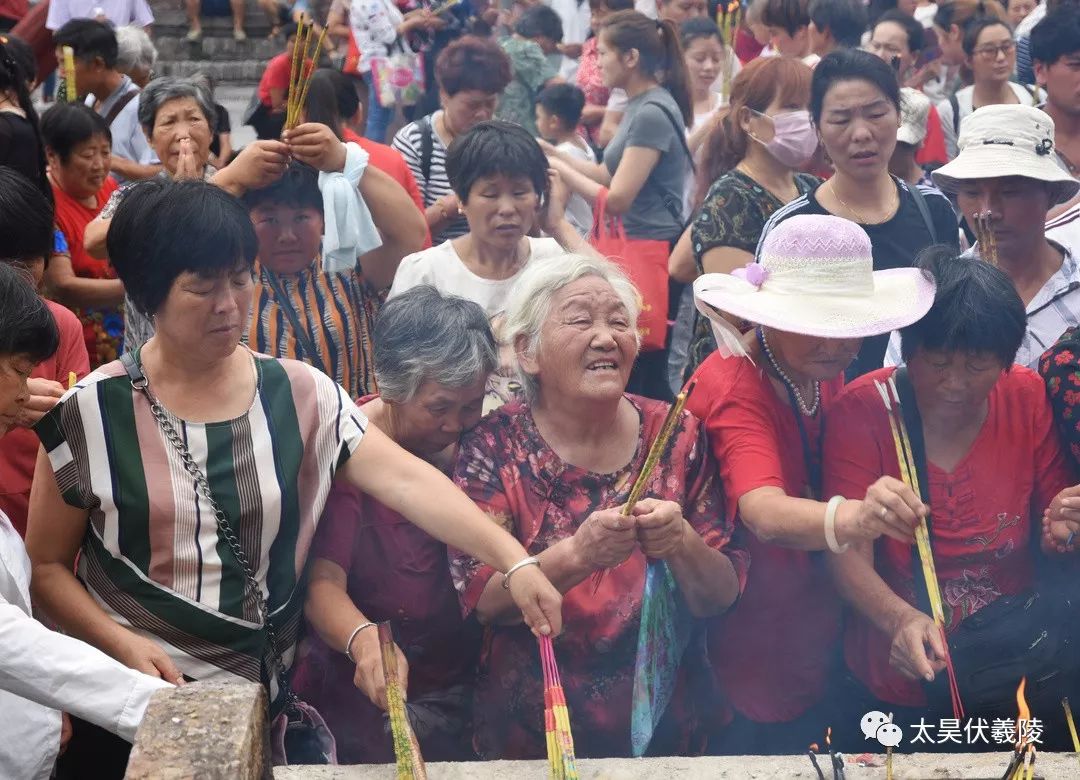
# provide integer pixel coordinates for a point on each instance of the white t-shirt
(578, 211)
(442, 267)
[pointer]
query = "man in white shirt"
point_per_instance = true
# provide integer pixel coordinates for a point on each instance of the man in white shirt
(119, 13)
(109, 92)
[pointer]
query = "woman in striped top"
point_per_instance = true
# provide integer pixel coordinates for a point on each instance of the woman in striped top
(472, 72)
(161, 586)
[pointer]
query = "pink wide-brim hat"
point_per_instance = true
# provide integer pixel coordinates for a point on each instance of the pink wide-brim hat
(814, 275)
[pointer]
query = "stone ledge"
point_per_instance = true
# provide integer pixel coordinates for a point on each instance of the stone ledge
(918, 766)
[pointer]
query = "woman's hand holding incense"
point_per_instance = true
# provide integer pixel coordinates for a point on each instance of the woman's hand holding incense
(917, 651)
(606, 539)
(661, 528)
(890, 508)
(369, 677)
(258, 165)
(539, 601)
(316, 145)
(1061, 521)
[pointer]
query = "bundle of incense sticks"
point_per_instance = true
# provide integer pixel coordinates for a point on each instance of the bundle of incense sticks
(910, 475)
(656, 451)
(984, 235)
(888, 757)
(71, 94)
(304, 63)
(560, 740)
(812, 752)
(410, 764)
(730, 16)
(1072, 726)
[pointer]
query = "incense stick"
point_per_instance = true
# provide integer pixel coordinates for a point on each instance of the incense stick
(290, 96)
(812, 752)
(71, 94)
(656, 451)
(888, 757)
(302, 99)
(410, 764)
(984, 235)
(910, 475)
(560, 740)
(72, 379)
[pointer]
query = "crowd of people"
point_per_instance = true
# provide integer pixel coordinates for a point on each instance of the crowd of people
(403, 358)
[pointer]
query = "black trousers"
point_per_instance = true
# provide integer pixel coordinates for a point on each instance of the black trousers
(93, 754)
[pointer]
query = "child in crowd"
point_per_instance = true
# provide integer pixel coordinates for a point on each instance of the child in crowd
(535, 59)
(558, 113)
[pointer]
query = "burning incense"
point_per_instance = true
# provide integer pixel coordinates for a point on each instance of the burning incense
(656, 451)
(71, 94)
(910, 475)
(410, 764)
(1072, 724)
(836, 761)
(888, 757)
(1029, 763)
(812, 752)
(984, 234)
(560, 740)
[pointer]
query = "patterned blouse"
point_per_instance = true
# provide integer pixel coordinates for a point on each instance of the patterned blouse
(1060, 369)
(733, 215)
(508, 469)
(153, 557)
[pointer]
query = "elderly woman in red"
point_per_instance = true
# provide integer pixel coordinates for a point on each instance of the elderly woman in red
(992, 465)
(814, 296)
(554, 471)
(433, 354)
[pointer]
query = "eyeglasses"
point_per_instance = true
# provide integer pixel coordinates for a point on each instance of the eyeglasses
(992, 52)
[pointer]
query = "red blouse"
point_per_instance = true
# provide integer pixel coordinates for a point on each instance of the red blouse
(771, 653)
(508, 469)
(983, 537)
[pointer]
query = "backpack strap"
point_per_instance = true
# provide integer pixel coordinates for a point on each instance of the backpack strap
(955, 114)
(119, 105)
(680, 131)
(924, 210)
(427, 149)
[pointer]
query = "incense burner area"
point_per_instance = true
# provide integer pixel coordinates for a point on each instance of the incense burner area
(219, 730)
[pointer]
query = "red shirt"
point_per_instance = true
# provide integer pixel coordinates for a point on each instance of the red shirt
(771, 652)
(983, 536)
(19, 448)
(71, 218)
(397, 572)
(389, 160)
(933, 146)
(276, 76)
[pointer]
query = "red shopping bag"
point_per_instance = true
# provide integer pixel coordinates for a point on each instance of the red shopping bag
(645, 261)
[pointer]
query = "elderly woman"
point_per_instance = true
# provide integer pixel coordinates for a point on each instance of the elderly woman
(990, 464)
(555, 471)
(433, 354)
(471, 72)
(813, 296)
(78, 145)
(158, 587)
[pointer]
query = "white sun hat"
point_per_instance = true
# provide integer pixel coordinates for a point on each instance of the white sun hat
(1009, 140)
(814, 275)
(914, 111)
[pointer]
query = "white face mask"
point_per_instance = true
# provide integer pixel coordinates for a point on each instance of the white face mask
(794, 140)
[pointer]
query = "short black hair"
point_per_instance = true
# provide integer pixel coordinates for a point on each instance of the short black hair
(26, 218)
(89, 38)
(297, 188)
(162, 229)
(22, 55)
(788, 15)
(844, 19)
(564, 101)
(698, 27)
(916, 37)
(66, 125)
(1056, 35)
(976, 309)
(851, 65)
(491, 148)
(27, 326)
(540, 21)
(324, 103)
(975, 28)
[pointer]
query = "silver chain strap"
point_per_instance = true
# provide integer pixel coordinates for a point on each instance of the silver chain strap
(225, 529)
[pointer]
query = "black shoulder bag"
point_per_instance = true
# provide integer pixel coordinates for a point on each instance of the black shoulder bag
(1031, 634)
(299, 735)
(675, 208)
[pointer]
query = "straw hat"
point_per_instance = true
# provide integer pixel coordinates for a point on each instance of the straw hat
(814, 275)
(1012, 140)
(914, 111)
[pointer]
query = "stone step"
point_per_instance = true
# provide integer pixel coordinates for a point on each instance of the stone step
(217, 48)
(173, 23)
(222, 72)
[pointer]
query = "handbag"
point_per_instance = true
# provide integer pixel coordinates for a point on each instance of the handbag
(1030, 634)
(398, 76)
(645, 261)
(298, 735)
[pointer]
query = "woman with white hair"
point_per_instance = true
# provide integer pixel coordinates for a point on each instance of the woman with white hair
(136, 54)
(555, 470)
(433, 355)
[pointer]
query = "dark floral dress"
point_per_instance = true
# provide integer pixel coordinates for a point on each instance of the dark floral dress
(734, 214)
(508, 469)
(1060, 369)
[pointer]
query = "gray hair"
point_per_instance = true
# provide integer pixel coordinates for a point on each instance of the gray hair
(134, 49)
(161, 90)
(529, 303)
(423, 335)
